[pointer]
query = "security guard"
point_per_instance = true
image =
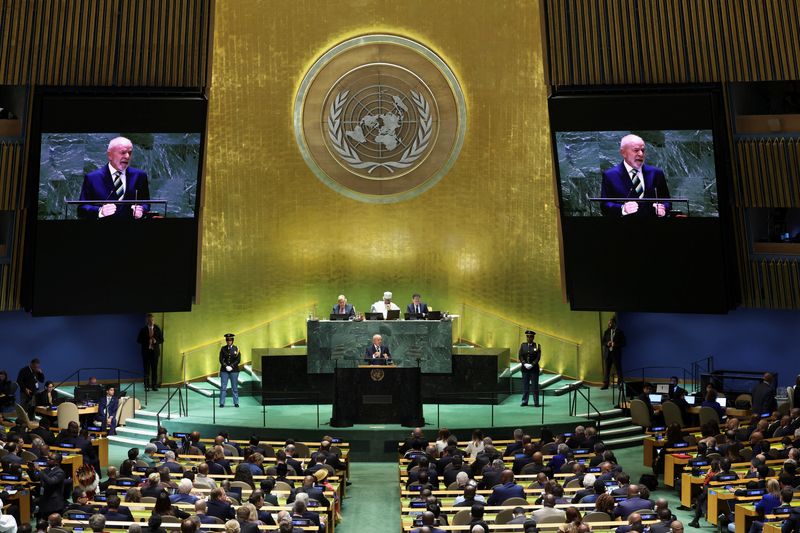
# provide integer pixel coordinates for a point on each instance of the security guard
(530, 354)
(229, 359)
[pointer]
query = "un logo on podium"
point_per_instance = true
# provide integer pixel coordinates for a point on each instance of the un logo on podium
(380, 118)
(376, 374)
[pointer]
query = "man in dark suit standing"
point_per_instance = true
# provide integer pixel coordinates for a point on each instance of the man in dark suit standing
(417, 306)
(52, 479)
(150, 338)
(632, 179)
(530, 353)
(229, 360)
(376, 353)
(30, 380)
(343, 308)
(763, 394)
(613, 342)
(113, 182)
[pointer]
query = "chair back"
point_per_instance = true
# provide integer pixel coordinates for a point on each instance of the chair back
(516, 500)
(215, 519)
(553, 519)
(596, 516)
(282, 486)
(23, 415)
(241, 484)
(672, 414)
(790, 393)
(746, 454)
(549, 448)
(462, 517)
(707, 414)
(269, 451)
(28, 456)
(148, 499)
(127, 406)
(67, 412)
(530, 468)
(453, 486)
(640, 414)
(504, 516)
(301, 450)
(336, 450)
(169, 519)
(230, 450)
(573, 483)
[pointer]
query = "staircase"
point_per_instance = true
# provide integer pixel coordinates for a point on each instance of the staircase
(616, 429)
(138, 430)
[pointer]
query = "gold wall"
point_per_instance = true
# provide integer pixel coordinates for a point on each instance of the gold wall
(275, 239)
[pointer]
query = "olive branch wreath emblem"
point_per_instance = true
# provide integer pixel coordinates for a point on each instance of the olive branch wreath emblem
(410, 155)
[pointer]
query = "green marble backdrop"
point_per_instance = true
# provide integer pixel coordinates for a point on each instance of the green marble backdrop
(685, 156)
(171, 161)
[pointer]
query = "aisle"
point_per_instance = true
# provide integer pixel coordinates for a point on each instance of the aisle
(373, 500)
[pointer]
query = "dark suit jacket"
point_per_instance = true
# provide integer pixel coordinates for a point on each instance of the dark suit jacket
(369, 354)
(763, 398)
(143, 339)
(626, 507)
(104, 406)
(530, 354)
(619, 341)
(504, 492)
(423, 308)
(349, 310)
(220, 509)
(617, 184)
(119, 515)
(99, 185)
(28, 379)
(229, 356)
(52, 500)
(41, 398)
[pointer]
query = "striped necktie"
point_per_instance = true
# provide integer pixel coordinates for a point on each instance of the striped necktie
(119, 188)
(637, 183)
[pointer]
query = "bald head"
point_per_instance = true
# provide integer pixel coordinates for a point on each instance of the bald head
(507, 476)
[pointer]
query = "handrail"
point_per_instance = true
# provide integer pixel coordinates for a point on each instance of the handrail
(574, 402)
(167, 405)
(519, 325)
(258, 332)
(119, 379)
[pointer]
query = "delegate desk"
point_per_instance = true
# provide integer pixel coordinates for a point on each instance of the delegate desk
(377, 394)
(337, 343)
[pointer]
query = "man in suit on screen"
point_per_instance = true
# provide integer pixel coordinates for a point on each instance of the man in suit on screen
(113, 182)
(376, 353)
(632, 179)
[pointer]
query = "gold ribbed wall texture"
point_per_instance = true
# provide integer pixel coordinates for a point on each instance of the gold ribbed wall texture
(91, 43)
(672, 41)
(274, 237)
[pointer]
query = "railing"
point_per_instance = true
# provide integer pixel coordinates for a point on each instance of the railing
(487, 329)
(573, 402)
(203, 359)
(690, 378)
(77, 375)
(183, 410)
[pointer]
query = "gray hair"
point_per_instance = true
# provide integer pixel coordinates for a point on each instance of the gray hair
(185, 486)
(462, 478)
(200, 505)
(169, 455)
(629, 139)
(150, 448)
(119, 141)
(135, 527)
(563, 449)
(97, 522)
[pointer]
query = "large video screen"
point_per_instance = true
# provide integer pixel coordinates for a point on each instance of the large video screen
(115, 179)
(158, 171)
(641, 185)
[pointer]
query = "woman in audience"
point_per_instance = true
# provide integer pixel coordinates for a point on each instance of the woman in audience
(605, 504)
(476, 445)
(572, 519)
(244, 474)
(152, 487)
(767, 504)
(441, 439)
(674, 436)
(164, 507)
(232, 526)
(126, 470)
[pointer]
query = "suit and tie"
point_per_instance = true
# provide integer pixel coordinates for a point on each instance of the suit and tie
(377, 355)
(108, 408)
(349, 310)
(99, 185)
(618, 183)
(417, 309)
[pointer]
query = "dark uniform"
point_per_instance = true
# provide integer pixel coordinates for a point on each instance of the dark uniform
(530, 353)
(229, 357)
(613, 342)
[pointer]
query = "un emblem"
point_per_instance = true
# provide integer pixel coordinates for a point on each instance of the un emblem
(376, 374)
(380, 118)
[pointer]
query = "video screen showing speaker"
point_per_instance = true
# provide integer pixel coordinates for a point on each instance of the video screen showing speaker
(641, 185)
(115, 179)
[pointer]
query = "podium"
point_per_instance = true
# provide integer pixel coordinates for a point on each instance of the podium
(377, 394)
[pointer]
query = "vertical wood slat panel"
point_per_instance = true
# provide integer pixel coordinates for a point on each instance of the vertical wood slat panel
(766, 173)
(706, 41)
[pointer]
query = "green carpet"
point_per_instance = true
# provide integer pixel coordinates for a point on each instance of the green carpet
(373, 500)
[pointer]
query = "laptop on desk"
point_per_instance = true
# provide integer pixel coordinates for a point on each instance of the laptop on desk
(393, 314)
(337, 316)
(414, 316)
(373, 316)
(434, 315)
(655, 399)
